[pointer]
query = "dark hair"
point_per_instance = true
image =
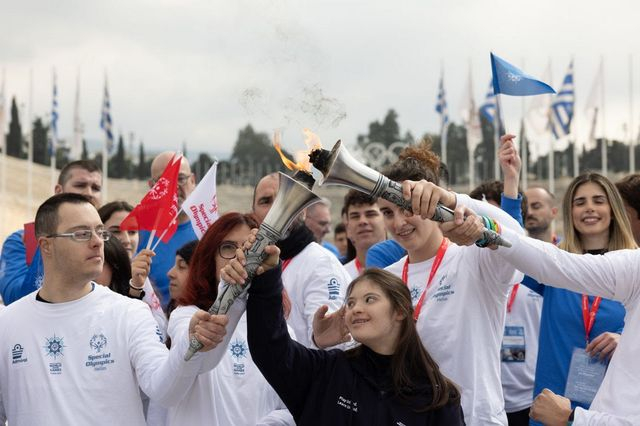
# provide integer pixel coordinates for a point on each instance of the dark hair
(88, 165)
(629, 188)
(109, 209)
(340, 228)
(411, 168)
(186, 251)
(357, 198)
(47, 215)
(444, 175)
(490, 191)
(202, 286)
(118, 260)
(411, 360)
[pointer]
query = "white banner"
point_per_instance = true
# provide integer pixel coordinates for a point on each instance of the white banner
(202, 205)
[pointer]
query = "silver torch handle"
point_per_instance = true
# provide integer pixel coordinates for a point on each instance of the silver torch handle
(392, 192)
(228, 293)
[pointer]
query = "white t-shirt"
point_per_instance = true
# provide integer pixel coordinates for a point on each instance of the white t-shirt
(616, 276)
(518, 377)
(234, 392)
(462, 318)
(313, 278)
(83, 362)
(351, 269)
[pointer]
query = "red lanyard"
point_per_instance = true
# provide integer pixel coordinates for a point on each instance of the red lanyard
(589, 316)
(512, 297)
(434, 268)
(286, 263)
(358, 266)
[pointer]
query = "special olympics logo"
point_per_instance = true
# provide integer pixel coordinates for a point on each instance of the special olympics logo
(98, 342)
(514, 78)
(160, 189)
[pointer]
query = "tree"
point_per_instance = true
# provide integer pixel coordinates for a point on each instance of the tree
(254, 151)
(14, 138)
(85, 153)
(41, 154)
(202, 165)
(118, 163)
(142, 170)
(386, 132)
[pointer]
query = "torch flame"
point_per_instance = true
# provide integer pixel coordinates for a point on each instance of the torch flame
(302, 157)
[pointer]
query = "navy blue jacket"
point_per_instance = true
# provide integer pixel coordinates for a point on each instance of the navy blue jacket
(328, 387)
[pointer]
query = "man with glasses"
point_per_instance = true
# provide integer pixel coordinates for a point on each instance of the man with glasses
(20, 276)
(80, 353)
(318, 220)
(165, 252)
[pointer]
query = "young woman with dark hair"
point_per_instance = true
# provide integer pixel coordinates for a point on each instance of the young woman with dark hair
(116, 271)
(231, 390)
(389, 379)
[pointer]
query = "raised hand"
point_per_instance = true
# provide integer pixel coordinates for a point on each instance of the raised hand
(329, 330)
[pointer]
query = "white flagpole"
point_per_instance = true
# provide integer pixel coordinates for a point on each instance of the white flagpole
(523, 145)
(497, 121)
(76, 146)
(30, 149)
(632, 148)
(54, 136)
(605, 143)
(105, 170)
(551, 165)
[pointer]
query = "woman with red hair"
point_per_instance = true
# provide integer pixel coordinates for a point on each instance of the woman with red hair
(233, 391)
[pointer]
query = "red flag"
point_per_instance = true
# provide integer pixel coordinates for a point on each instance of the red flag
(158, 209)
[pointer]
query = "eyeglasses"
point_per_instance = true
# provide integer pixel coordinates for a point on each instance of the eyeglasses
(227, 250)
(182, 180)
(83, 235)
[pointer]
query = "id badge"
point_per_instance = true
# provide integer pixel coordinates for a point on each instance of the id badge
(585, 376)
(513, 344)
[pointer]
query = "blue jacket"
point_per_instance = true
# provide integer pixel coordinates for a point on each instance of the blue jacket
(328, 387)
(17, 279)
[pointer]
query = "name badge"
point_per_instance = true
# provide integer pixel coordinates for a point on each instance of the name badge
(585, 376)
(513, 344)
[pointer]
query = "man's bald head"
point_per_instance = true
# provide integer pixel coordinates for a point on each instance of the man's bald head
(186, 179)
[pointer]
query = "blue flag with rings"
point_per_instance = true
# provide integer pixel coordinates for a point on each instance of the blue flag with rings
(510, 80)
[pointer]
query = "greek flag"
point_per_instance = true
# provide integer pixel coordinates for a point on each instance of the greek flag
(105, 119)
(441, 106)
(510, 80)
(562, 106)
(488, 108)
(54, 117)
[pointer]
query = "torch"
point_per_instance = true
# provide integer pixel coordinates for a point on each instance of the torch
(294, 195)
(338, 167)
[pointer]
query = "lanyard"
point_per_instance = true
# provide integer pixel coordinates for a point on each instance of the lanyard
(358, 266)
(589, 316)
(434, 267)
(286, 263)
(512, 296)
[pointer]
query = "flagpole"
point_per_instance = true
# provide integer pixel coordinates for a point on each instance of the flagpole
(498, 130)
(605, 143)
(54, 134)
(30, 149)
(632, 148)
(551, 157)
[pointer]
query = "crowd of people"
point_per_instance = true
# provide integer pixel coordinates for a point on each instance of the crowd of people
(401, 320)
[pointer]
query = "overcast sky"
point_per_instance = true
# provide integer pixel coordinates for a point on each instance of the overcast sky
(198, 71)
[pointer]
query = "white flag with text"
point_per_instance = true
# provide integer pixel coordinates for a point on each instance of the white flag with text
(202, 205)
